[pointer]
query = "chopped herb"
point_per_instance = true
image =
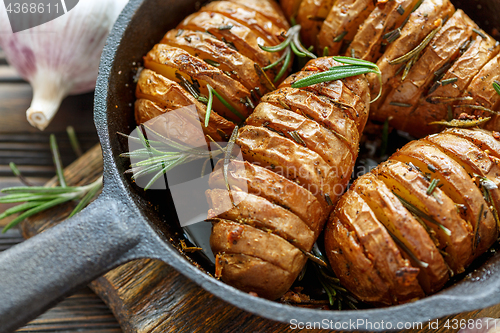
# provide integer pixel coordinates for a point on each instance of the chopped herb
(250, 103)
(227, 155)
(226, 27)
(461, 123)
(407, 250)
(480, 33)
(179, 32)
(212, 62)
(434, 87)
(449, 115)
(188, 39)
(328, 200)
(287, 58)
(353, 53)
(203, 99)
(440, 72)
(431, 168)
(476, 234)
(297, 138)
(496, 86)
(257, 90)
(263, 78)
(392, 35)
(477, 107)
(403, 105)
(401, 10)
(432, 186)
(448, 81)
(340, 37)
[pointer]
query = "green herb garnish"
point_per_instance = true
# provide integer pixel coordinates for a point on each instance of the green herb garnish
(351, 68)
(496, 86)
(291, 44)
(35, 199)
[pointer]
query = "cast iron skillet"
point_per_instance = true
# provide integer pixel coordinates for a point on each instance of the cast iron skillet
(121, 224)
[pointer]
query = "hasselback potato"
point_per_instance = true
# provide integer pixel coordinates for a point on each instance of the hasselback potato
(436, 62)
(402, 230)
(299, 148)
(216, 46)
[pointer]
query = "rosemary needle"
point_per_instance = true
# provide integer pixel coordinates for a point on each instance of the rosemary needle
(209, 104)
(496, 86)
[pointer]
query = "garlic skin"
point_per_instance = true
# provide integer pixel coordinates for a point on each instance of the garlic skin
(60, 57)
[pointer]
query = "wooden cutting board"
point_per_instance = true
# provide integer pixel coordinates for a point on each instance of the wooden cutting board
(149, 296)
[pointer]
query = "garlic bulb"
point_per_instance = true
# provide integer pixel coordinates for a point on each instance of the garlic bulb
(60, 57)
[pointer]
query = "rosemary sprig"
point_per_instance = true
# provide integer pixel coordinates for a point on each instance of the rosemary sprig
(331, 284)
(291, 44)
(415, 211)
(411, 57)
(18, 174)
(73, 140)
(461, 123)
(35, 199)
(352, 67)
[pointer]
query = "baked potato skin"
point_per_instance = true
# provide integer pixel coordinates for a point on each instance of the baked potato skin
(472, 230)
(367, 261)
(198, 53)
(460, 61)
(292, 141)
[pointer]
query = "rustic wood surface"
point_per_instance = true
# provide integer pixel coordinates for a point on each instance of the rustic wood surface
(144, 295)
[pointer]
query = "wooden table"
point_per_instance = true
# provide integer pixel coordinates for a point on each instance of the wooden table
(169, 303)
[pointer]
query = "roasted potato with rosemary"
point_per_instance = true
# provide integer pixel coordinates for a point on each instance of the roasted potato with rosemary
(438, 67)
(402, 230)
(214, 51)
(299, 147)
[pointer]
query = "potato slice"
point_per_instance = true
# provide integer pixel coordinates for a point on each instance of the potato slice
(481, 138)
(146, 110)
(269, 8)
(169, 95)
(457, 185)
(177, 127)
(418, 27)
(342, 23)
(338, 93)
(411, 186)
(257, 22)
(394, 216)
(443, 49)
(206, 47)
(236, 238)
(307, 133)
(287, 158)
(244, 39)
(319, 109)
(240, 270)
(310, 16)
(260, 213)
(384, 18)
(463, 69)
(365, 257)
(483, 94)
(275, 188)
(169, 61)
(474, 161)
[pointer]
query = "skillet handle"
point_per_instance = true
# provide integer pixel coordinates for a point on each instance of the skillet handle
(41, 271)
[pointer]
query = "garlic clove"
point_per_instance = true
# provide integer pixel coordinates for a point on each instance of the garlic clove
(49, 89)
